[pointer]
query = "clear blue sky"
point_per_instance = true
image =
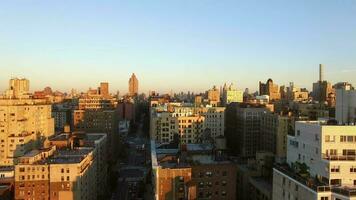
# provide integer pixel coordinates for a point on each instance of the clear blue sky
(179, 45)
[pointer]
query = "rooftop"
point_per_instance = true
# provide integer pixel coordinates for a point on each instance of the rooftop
(325, 122)
(67, 156)
(314, 184)
(188, 155)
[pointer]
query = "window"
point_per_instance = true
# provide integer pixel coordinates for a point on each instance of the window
(349, 152)
(342, 138)
(324, 198)
(316, 137)
(350, 138)
(353, 169)
(335, 169)
(335, 181)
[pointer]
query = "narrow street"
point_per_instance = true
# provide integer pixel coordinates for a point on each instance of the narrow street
(131, 183)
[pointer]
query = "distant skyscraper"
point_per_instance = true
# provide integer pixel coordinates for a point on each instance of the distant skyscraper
(133, 85)
(104, 89)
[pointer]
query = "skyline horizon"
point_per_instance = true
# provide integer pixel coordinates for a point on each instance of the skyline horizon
(176, 45)
(40, 86)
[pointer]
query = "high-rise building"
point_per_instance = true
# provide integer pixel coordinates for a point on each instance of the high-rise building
(23, 123)
(214, 95)
(189, 122)
(133, 85)
(243, 128)
(321, 162)
(270, 89)
(231, 94)
(126, 110)
(274, 131)
(346, 106)
(18, 88)
(104, 90)
(322, 89)
(104, 121)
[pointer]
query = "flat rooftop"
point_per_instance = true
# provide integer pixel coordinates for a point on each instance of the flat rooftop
(66, 156)
(189, 155)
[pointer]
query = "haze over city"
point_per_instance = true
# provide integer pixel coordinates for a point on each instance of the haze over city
(66, 44)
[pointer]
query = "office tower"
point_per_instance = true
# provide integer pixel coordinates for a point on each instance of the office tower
(192, 171)
(320, 163)
(346, 106)
(243, 128)
(18, 88)
(104, 90)
(270, 89)
(231, 94)
(133, 85)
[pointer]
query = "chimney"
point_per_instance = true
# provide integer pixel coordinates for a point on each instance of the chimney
(321, 73)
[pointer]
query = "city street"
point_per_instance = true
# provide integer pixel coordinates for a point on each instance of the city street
(131, 183)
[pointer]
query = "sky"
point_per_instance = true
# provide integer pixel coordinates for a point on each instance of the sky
(176, 45)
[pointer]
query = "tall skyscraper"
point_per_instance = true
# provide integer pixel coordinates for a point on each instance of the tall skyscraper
(133, 85)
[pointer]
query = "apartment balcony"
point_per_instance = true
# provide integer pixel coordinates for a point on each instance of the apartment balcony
(339, 157)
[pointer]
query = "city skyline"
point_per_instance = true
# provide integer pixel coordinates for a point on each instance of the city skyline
(167, 42)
